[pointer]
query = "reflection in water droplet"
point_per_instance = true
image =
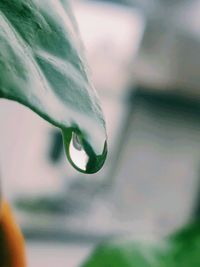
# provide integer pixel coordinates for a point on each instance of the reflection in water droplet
(77, 152)
(81, 155)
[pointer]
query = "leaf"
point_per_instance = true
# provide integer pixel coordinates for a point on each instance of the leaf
(186, 246)
(41, 67)
(182, 249)
(127, 254)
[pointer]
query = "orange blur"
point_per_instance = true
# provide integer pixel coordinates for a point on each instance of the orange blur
(12, 247)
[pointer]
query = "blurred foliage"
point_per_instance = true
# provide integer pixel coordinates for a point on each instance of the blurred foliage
(182, 249)
(45, 204)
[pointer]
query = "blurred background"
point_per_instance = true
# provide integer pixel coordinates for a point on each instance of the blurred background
(144, 59)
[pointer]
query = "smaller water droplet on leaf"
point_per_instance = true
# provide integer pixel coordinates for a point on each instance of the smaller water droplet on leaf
(80, 154)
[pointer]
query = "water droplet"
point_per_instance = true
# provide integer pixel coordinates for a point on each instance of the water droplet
(81, 155)
(77, 153)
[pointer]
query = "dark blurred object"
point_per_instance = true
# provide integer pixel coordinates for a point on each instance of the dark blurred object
(56, 146)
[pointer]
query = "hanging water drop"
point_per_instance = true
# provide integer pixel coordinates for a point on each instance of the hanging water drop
(81, 155)
(77, 153)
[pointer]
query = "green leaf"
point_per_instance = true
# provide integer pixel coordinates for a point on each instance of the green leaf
(186, 246)
(41, 66)
(182, 249)
(128, 254)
